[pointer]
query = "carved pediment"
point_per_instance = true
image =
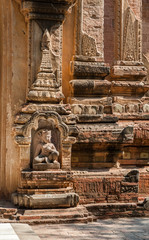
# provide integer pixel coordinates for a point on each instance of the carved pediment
(40, 121)
(45, 7)
(68, 2)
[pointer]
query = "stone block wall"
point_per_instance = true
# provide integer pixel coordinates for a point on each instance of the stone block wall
(100, 187)
(144, 185)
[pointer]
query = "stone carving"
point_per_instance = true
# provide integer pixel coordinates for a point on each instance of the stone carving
(89, 29)
(87, 109)
(45, 151)
(118, 108)
(132, 108)
(29, 135)
(129, 38)
(146, 204)
(127, 189)
(128, 33)
(146, 108)
(43, 137)
(132, 176)
(89, 46)
(46, 86)
(127, 133)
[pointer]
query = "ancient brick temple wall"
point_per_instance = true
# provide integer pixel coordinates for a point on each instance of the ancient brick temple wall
(100, 189)
(100, 104)
(144, 184)
(103, 187)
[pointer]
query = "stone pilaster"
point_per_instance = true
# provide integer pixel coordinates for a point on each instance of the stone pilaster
(128, 72)
(128, 43)
(88, 59)
(128, 85)
(44, 30)
(44, 47)
(66, 153)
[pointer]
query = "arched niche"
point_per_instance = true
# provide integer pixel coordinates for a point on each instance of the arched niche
(36, 137)
(27, 138)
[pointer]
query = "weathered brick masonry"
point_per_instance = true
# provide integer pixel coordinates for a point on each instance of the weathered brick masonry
(74, 102)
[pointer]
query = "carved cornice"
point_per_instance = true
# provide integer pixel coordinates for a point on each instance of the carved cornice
(47, 9)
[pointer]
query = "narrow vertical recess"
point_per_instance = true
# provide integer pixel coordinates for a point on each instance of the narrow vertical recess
(5, 88)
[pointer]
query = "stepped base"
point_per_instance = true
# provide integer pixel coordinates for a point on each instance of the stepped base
(119, 210)
(41, 201)
(44, 191)
(79, 214)
(54, 216)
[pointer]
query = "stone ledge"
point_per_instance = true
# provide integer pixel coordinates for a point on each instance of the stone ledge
(89, 69)
(29, 191)
(89, 87)
(41, 201)
(129, 72)
(86, 213)
(115, 210)
(46, 166)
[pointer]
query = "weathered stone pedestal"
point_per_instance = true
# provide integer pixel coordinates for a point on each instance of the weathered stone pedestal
(41, 201)
(44, 167)
(45, 189)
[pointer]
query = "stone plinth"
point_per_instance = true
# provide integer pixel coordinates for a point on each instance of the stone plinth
(89, 69)
(45, 189)
(40, 201)
(46, 166)
(146, 204)
(128, 70)
(45, 179)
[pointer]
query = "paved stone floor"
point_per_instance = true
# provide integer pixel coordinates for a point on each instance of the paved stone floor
(17, 231)
(111, 229)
